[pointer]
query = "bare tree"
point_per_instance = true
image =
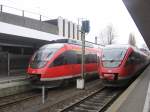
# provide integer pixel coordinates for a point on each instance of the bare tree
(110, 34)
(101, 37)
(132, 40)
(107, 35)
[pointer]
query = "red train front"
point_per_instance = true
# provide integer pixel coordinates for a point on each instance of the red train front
(120, 64)
(61, 60)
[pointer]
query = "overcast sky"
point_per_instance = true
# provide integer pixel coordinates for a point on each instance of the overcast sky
(100, 13)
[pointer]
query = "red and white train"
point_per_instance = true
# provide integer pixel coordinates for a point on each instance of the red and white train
(61, 60)
(120, 64)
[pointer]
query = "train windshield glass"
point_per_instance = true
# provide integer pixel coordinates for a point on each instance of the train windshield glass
(113, 54)
(113, 57)
(46, 52)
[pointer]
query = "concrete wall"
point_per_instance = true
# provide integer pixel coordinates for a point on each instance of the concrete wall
(28, 22)
(53, 22)
(58, 26)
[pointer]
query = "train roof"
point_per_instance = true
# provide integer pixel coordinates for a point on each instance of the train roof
(72, 41)
(123, 46)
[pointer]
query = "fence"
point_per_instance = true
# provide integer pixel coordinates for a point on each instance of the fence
(23, 13)
(12, 64)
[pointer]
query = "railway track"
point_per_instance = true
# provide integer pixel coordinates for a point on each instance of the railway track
(95, 102)
(14, 99)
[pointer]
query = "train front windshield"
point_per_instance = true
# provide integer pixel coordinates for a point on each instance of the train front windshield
(43, 55)
(112, 57)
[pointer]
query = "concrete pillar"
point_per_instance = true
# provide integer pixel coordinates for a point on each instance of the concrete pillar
(60, 26)
(70, 30)
(79, 32)
(65, 28)
(75, 31)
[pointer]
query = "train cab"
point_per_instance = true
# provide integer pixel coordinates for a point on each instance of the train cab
(120, 64)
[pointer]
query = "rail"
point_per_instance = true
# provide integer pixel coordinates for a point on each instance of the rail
(14, 99)
(95, 102)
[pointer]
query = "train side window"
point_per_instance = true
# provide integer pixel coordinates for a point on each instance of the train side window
(78, 58)
(94, 58)
(68, 57)
(71, 57)
(133, 58)
(90, 58)
(137, 57)
(59, 61)
(86, 58)
(130, 59)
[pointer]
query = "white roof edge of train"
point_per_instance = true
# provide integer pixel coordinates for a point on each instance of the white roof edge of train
(124, 46)
(118, 46)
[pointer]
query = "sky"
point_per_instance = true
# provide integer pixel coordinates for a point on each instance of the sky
(101, 13)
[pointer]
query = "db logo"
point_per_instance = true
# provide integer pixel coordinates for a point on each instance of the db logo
(109, 71)
(33, 71)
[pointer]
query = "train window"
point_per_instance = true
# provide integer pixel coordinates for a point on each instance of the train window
(113, 54)
(133, 58)
(59, 61)
(46, 52)
(112, 57)
(90, 58)
(78, 58)
(43, 54)
(130, 59)
(68, 57)
(86, 58)
(71, 57)
(94, 58)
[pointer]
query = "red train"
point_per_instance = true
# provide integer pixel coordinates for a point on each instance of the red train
(120, 64)
(60, 60)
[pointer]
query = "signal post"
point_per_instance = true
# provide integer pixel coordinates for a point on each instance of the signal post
(85, 29)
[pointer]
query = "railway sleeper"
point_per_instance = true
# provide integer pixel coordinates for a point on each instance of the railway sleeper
(88, 106)
(96, 101)
(78, 109)
(96, 98)
(91, 103)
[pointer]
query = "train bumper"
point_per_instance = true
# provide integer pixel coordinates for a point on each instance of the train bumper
(37, 83)
(119, 82)
(116, 83)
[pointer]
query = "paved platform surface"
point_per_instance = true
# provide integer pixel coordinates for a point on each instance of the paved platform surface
(7, 79)
(134, 98)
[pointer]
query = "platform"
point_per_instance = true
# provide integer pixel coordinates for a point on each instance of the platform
(10, 85)
(136, 97)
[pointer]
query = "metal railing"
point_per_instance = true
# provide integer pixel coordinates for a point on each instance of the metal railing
(23, 13)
